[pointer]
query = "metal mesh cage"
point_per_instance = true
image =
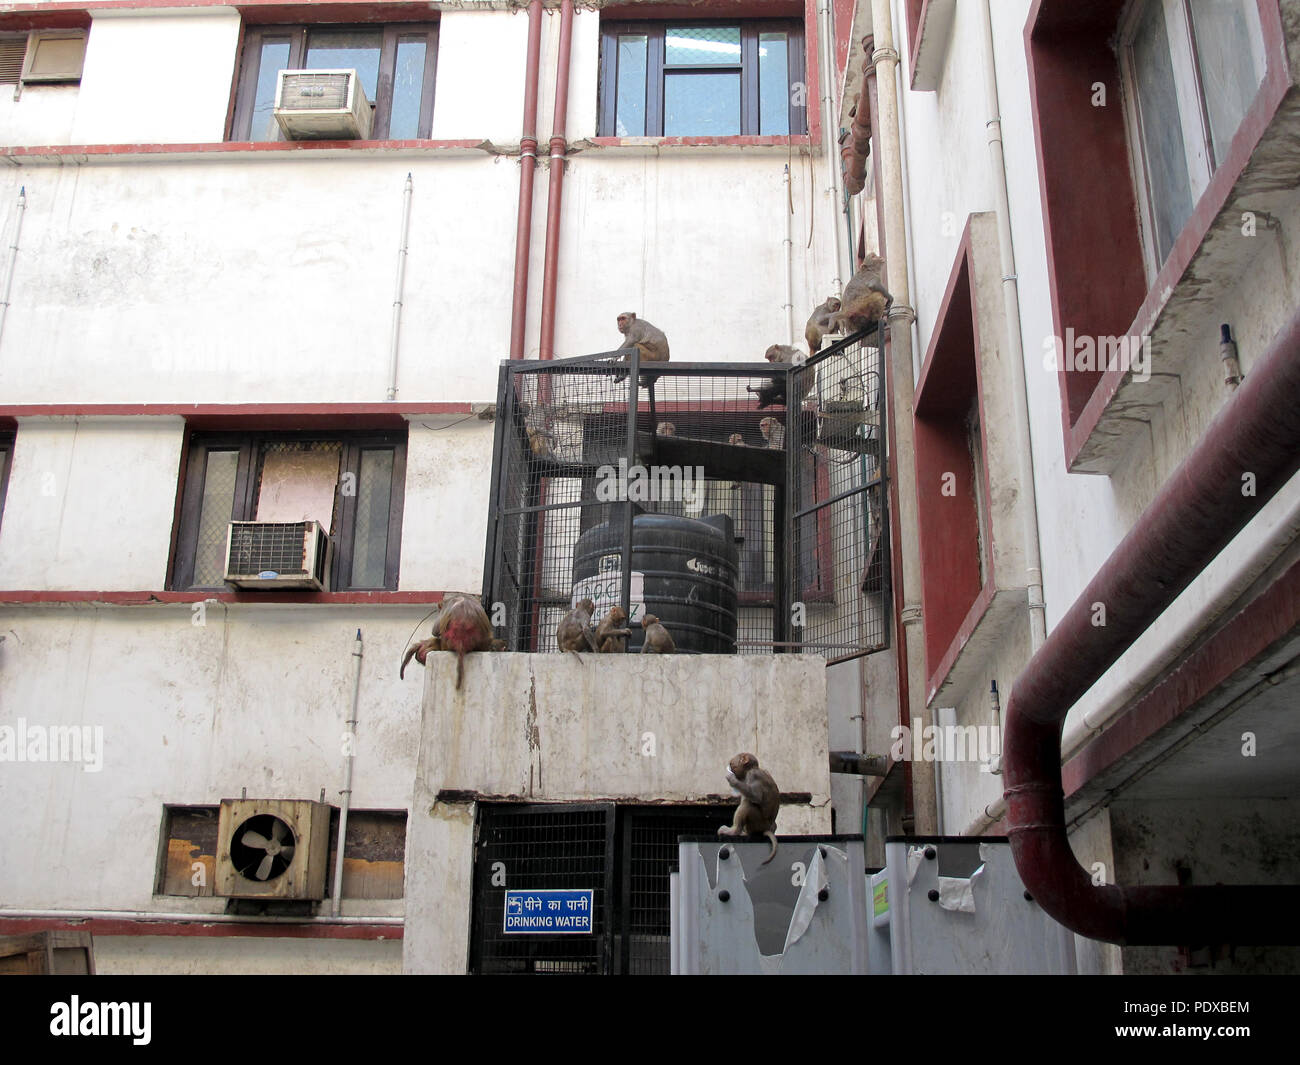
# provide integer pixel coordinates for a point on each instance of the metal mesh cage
(743, 504)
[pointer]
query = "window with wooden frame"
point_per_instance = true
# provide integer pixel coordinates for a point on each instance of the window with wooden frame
(1190, 71)
(702, 79)
(352, 483)
(51, 56)
(394, 63)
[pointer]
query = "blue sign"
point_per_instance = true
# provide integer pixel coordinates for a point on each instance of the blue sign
(550, 912)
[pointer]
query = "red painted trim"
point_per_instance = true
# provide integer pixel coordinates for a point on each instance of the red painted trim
(247, 415)
(1267, 619)
(19, 152)
(1254, 125)
(24, 596)
(1096, 264)
(45, 17)
(257, 11)
(116, 926)
(953, 596)
(743, 141)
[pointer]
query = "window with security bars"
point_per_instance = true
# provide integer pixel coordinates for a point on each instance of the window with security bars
(351, 483)
(699, 79)
(744, 505)
(623, 853)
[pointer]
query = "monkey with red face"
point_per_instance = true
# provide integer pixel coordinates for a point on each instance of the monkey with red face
(760, 799)
(646, 338)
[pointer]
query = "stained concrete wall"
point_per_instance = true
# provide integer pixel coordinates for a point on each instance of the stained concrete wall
(547, 728)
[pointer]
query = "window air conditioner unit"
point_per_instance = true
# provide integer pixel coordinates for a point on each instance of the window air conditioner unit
(277, 554)
(322, 105)
(272, 849)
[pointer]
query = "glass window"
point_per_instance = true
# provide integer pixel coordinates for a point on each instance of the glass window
(701, 80)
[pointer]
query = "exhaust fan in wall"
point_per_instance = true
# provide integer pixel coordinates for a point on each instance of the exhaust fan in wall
(272, 848)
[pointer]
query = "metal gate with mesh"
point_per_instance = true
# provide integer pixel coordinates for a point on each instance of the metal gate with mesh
(624, 854)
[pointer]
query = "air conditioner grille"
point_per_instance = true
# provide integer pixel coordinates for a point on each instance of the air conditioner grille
(258, 547)
(312, 92)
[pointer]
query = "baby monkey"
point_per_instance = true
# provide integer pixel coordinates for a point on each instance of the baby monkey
(574, 631)
(611, 636)
(760, 799)
(657, 639)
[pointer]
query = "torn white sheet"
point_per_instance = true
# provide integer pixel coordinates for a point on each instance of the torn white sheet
(299, 486)
(955, 894)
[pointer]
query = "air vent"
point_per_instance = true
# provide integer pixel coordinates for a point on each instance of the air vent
(272, 848)
(276, 554)
(322, 105)
(12, 50)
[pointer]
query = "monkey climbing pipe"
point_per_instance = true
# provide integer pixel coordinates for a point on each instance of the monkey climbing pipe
(1193, 517)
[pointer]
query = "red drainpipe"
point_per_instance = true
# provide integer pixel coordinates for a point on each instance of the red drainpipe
(559, 142)
(1192, 518)
(527, 168)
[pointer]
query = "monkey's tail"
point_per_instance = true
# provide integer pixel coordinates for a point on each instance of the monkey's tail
(460, 668)
(577, 656)
(406, 659)
(771, 838)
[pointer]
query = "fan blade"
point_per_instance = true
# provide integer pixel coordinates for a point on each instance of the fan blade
(278, 830)
(255, 839)
(264, 869)
(286, 852)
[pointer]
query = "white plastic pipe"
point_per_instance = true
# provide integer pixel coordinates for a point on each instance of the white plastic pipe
(395, 332)
(1028, 501)
(825, 31)
(13, 257)
(789, 257)
(345, 804)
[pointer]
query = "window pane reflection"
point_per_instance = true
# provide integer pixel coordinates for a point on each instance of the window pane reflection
(274, 58)
(344, 50)
(408, 88)
(773, 84)
(696, 45)
(701, 105)
(370, 543)
(214, 518)
(1229, 53)
(629, 119)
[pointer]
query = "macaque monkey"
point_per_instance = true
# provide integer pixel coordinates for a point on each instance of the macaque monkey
(773, 391)
(820, 323)
(574, 631)
(736, 440)
(640, 334)
(773, 432)
(866, 300)
(542, 443)
(462, 625)
(760, 799)
(666, 429)
(611, 636)
(851, 390)
(657, 639)
(420, 651)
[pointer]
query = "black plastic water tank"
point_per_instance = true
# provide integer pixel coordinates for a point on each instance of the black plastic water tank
(683, 572)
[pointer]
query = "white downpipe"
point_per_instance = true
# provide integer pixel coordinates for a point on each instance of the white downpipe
(1015, 347)
(789, 257)
(902, 393)
(825, 30)
(11, 265)
(395, 332)
(345, 804)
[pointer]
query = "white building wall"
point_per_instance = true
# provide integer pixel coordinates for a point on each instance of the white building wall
(157, 77)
